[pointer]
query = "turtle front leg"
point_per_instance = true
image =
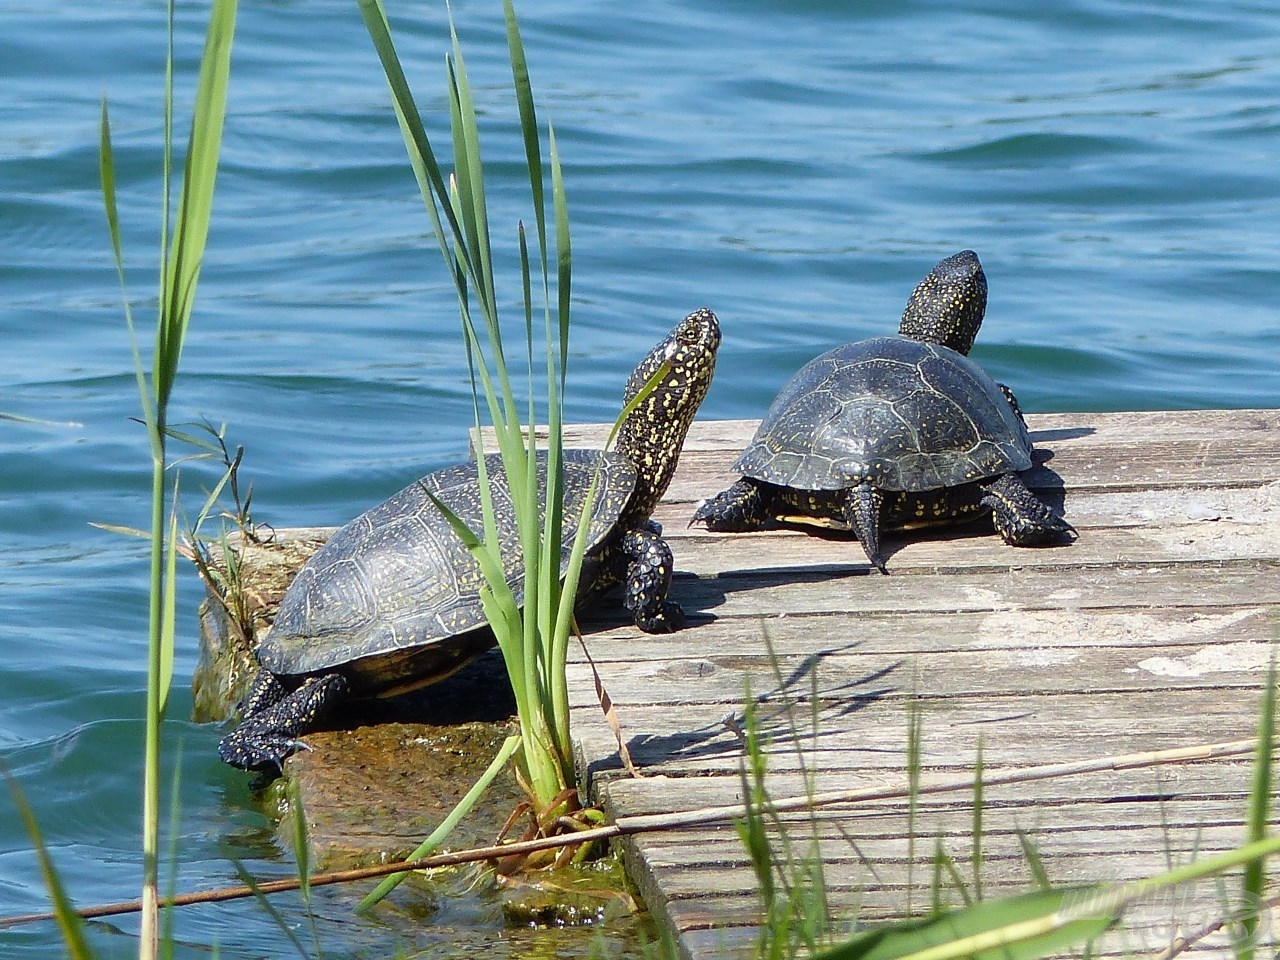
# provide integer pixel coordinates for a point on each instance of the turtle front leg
(862, 514)
(269, 736)
(1013, 402)
(736, 509)
(648, 581)
(1020, 517)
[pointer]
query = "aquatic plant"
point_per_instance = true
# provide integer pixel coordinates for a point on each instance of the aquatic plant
(181, 257)
(534, 639)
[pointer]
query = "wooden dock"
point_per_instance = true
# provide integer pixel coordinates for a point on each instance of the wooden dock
(1153, 630)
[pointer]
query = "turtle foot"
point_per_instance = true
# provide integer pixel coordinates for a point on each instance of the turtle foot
(648, 582)
(668, 618)
(1022, 518)
(264, 740)
(251, 748)
(735, 509)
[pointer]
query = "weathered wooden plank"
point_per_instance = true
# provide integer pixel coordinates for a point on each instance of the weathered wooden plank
(871, 740)
(1209, 543)
(838, 675)
(1194, 505)
(1126, 451)
(1189, 786)
(1136, 428)
(764, 592)
(1038, 634)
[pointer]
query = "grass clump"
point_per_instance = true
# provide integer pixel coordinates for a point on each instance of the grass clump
(531, 620)
(534, 642)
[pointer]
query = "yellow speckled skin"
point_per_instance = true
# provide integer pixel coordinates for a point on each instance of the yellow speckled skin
(948, 305)
(652, 437)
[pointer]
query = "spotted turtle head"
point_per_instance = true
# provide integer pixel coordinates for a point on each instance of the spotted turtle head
(653, 433)
(947, 306)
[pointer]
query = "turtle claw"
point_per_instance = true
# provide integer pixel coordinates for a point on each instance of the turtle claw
(735, 509)
(266, 739)
(251, 748)
(668, 619)
(1022, 518)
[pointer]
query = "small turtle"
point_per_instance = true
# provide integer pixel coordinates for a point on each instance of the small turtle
(894, 433)
(392, 601)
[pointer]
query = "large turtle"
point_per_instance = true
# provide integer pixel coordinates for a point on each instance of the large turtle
(895, 433)
(392, 601)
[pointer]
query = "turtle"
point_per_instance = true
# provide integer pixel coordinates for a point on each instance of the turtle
(895, 432)
(391, 602)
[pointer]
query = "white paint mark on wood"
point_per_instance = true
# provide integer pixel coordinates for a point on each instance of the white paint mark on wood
(1246, 657)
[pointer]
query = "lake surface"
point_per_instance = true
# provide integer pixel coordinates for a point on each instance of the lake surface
(796, 167)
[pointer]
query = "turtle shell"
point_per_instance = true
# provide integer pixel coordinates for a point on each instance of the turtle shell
(904, 414)
(393, 598)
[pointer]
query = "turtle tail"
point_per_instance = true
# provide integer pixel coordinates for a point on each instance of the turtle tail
(862, 513)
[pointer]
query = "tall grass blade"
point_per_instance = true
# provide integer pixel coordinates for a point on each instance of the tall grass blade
(979, 801)
(915, 738)
(195, 204)
(528, 127)
(500, 760)
(175, 810)
(70, 924)
(169, 612)
(1029, 926)
(1258, 814)
(1034, 860)
(1021, 927)
(107, 175)
(283, 925)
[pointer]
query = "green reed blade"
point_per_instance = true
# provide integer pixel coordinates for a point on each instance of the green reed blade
(1020, 927)
(1258, 812)
(195, 205)
(528, 125)
(1034, 860)
(70, 925)
(564, 248)
(169, 611)
(264, 901)
(463, 807)
(979, 801)
(422, 159)
(107, 176)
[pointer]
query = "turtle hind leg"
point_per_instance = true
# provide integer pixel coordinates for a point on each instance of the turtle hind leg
(1020, 517)
(265, 692)
(862, 513)
(743, 506)
(648, 580)
(264, 740)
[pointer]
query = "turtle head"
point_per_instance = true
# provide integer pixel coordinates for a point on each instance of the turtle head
(948, 304)
(653, 433)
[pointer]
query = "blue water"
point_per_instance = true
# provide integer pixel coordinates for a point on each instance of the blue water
(796, 167)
